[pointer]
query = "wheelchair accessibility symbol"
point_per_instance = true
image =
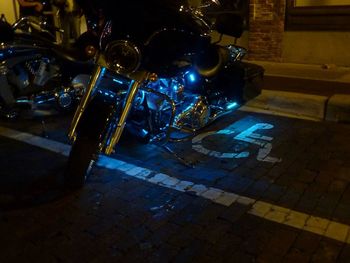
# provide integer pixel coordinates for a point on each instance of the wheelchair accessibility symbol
(249, 135)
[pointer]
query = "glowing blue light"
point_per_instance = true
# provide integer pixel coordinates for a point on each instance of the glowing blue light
(192, 77)
(231, 106)
(23, 101)
(118, 81)
(144, 132)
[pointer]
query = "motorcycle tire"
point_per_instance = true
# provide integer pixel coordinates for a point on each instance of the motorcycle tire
(80, 162)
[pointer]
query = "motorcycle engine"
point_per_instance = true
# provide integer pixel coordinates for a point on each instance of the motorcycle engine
(42, 70)
(33, 73)
(192, 110)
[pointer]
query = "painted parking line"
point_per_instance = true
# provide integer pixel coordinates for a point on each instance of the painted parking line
(320, 226)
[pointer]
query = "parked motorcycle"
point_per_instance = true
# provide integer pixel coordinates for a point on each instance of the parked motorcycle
(161, 79)
(37, 72)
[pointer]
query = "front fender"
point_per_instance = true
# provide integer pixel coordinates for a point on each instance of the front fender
(98, 118)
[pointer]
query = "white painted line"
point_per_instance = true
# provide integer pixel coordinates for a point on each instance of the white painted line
(321, 226)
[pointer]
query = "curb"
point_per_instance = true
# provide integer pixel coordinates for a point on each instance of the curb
(338, 108)
(334, 108)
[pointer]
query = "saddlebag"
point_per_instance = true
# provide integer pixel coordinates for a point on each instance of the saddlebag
(242, 81)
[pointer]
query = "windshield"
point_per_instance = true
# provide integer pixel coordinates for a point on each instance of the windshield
(110, 8)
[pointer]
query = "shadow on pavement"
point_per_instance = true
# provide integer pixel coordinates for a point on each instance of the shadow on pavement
(33, 191)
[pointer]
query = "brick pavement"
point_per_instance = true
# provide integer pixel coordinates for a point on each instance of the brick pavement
(120, 218)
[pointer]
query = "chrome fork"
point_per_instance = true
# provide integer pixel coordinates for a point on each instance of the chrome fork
(96, 77)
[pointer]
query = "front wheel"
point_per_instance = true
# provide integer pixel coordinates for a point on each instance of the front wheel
(80, 162)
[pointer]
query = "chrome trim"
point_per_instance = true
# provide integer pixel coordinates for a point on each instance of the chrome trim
(134, 87)
(173, 111)
(20, 21)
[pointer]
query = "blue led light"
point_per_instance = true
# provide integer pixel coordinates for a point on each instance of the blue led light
(118, 81)
(192, 77)
(231, 106)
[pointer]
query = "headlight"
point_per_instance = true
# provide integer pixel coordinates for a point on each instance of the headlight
(123, 57)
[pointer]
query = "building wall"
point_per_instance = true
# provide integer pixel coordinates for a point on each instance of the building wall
(316, 47)
(7, 8)
(268, 41)
(266, 28)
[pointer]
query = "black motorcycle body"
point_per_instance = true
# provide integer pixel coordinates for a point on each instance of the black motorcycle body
(157, 78)
(35, 71)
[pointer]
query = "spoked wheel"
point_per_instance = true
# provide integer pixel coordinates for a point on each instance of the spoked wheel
(80, 162)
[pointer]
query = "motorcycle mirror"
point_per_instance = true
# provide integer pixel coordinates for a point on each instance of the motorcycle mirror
(229, 24)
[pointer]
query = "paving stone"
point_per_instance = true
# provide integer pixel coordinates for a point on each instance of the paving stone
(267, 257)
(307, 176)
(328, 251)
(280, 243)
(290, 198)
(295, 255)
(274, 193)
(307, 243)
(121, 218)
(327, 205)
(241, 185)
(343, 174)
(164, 253)
(344, 254)
(234, 212)
(210, 213)
(256, 189)
(341, 213)
(307, 202)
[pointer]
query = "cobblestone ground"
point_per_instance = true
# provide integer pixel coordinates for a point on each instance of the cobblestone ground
(263, 189)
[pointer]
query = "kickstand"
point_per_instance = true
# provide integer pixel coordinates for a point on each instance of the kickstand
(180, 159)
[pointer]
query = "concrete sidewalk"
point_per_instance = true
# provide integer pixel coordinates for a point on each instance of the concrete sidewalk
(326, 72)
(315, 92)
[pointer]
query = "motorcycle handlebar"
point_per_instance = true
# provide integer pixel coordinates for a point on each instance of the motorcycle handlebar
(40, 25)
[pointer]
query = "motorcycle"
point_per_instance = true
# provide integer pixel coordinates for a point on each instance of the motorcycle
(162, 81)
(36, 72)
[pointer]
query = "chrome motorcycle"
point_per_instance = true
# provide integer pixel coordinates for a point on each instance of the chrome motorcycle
(36, 72)
(162, 81)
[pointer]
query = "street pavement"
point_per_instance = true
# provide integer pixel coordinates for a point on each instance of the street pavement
(261, 188)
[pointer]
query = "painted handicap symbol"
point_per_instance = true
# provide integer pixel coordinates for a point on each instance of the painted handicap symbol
(249, 135)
